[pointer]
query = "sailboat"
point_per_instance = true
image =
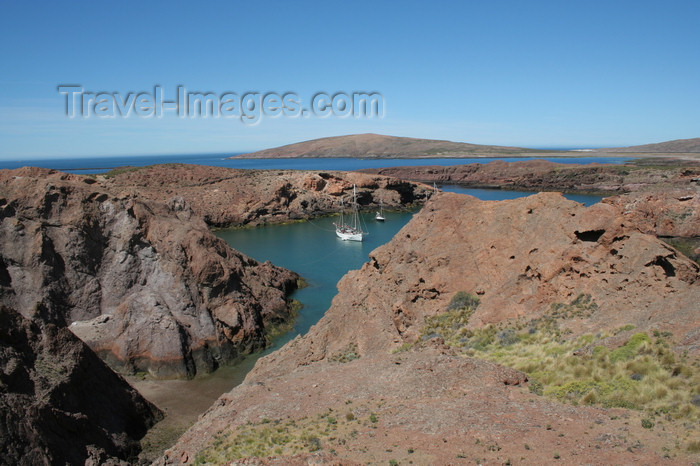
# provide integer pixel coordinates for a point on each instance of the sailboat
(380, 215)
(350, 231)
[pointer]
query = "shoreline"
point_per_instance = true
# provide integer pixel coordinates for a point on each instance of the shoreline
(519, 155)
(564, 155)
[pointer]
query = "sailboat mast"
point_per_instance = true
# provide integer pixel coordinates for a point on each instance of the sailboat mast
(354, 206)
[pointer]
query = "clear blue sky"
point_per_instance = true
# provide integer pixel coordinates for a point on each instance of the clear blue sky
(528, 73)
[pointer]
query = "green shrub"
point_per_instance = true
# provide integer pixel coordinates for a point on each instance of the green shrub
(630, 348)
(350, 353)
(461, 300)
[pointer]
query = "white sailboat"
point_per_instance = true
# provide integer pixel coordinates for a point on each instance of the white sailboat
(350, 231)
(380, 215)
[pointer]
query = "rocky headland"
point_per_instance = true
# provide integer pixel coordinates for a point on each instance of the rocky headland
(226, 197)
(144, 283)
(408, 363)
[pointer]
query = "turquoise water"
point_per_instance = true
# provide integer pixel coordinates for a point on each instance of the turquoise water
(312, 249)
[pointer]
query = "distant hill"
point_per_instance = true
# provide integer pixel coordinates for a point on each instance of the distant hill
(687, 146)
(377, 145)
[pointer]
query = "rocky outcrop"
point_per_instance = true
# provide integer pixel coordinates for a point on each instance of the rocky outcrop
(542, 175)
(143, 282)
(230, 197)
(662, 196)
(59, 403)
(519, 257)
(666, 213)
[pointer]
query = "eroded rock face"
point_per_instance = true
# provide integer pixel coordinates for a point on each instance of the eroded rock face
(230, 197)
(59, 403)
(519, 257)
(144, 283)
(662, 213)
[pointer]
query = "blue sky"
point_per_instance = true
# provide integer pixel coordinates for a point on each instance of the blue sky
(527, 73)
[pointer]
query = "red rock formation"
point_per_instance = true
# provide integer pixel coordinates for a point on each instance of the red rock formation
(59, 404)
(519, 257)
(144, 283)
(662, 213)
(663, 199)
(230, 197)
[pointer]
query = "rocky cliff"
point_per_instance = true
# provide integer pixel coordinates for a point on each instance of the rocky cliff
(59, 403)
(230, 197)
(143, 282)
(367, 383)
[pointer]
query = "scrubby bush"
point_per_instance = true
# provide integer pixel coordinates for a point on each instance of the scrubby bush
(462, 300)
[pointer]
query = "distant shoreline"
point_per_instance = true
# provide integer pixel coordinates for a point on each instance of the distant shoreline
(94, 166)
(573, 154)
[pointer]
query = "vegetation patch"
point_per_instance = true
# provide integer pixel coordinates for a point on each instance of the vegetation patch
(403, 348)
(121, 170)
(463, 300)
(328, 430)
(643, 374)
(350, 353)
(451, 325)
(279, 327)
(687, 246)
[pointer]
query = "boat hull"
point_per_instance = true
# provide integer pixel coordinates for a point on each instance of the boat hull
(349, 236)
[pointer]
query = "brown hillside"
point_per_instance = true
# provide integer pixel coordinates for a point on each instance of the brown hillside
(676, 146)
(377, 145)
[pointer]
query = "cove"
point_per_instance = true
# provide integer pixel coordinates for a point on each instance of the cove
(311, 249)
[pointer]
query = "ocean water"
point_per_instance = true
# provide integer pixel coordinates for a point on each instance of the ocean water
(94, 165)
